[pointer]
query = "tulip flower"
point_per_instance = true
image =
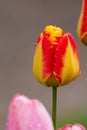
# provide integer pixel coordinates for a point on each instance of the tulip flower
(73, 127)
(26, 114)
(56, 60)
(82, 23)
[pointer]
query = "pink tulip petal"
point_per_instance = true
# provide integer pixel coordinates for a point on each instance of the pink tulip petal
(26, 114)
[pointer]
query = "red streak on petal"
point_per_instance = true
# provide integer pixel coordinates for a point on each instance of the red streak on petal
(75, 50)
(59, 55)
(53, 56)
(73, 44)
(39, 38)
(48, 56)
(84, 17)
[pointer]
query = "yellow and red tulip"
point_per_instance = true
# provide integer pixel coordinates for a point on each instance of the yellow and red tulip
(56, 60)
(82, 23)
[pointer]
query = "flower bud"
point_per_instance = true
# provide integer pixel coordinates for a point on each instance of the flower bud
(56, 59)
(26, 114)
(82, 23)
(73, 127)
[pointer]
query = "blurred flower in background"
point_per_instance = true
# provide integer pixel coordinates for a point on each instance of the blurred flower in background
(82, 23)
(73, 127)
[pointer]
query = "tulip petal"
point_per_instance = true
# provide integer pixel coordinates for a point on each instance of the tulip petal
(71, 68)
(37, 61)
(49, 56)
(26, 114)
(59, 57)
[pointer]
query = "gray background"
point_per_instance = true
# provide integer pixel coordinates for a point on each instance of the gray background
(21, 21)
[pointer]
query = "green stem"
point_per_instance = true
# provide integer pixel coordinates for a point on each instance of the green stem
(54, 105)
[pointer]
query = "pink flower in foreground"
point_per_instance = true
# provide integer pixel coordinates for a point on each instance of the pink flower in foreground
(26, 114)
(73, 127)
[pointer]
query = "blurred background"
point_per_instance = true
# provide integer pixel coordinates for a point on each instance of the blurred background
(21, 21)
